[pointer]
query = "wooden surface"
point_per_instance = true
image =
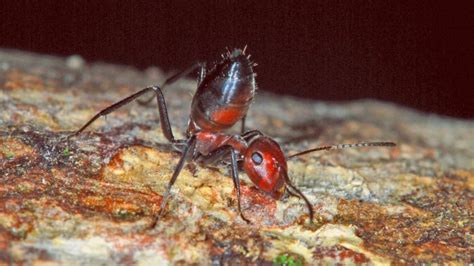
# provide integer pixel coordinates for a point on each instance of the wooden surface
(90, 199)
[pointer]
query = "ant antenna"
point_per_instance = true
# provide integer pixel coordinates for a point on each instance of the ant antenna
(344, 146)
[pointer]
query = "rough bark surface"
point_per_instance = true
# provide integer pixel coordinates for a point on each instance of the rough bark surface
(90, 199)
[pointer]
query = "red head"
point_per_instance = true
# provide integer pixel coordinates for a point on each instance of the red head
(265, 164)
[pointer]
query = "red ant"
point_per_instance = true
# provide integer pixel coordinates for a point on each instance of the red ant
(223, 97)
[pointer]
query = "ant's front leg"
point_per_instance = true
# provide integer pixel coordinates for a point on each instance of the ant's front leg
(235, 177)
(187, 155)
(219, 154)
(164, 119)
(247, 136)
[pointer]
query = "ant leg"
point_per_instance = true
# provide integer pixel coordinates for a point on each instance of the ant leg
(219, 154)
(214, 156)
(247, 136)
(242, 125)
(113, 107)
(172, 79)
(235, 177)
(301, 195)
(292, 193)
(187, 154)
(164, 119)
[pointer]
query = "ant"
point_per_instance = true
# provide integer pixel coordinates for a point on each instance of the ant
(222, 99)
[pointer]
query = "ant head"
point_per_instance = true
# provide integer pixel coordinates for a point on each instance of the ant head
(265, 164)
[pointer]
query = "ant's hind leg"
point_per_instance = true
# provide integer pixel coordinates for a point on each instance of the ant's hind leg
(242, 125)
(174, 78)
(164, 119)
(112, 108)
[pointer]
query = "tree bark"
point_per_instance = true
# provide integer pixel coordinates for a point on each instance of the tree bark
(90, 199)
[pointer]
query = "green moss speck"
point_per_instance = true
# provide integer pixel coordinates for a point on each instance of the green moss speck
(287, 260)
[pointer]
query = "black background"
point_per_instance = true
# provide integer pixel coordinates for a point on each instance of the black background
(417, 53)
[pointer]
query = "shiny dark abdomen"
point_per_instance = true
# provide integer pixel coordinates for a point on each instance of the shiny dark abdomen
(222, 102)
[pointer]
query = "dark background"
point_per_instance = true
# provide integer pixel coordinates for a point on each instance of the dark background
(417, 53)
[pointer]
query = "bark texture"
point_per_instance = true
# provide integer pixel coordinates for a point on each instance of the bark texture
(90, 199)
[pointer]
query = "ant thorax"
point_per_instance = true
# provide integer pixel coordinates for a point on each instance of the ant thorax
(208, 142)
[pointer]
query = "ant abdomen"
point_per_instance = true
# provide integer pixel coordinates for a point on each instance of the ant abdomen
(225, 94)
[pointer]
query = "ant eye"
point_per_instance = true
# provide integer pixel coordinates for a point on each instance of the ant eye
(257, 158)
